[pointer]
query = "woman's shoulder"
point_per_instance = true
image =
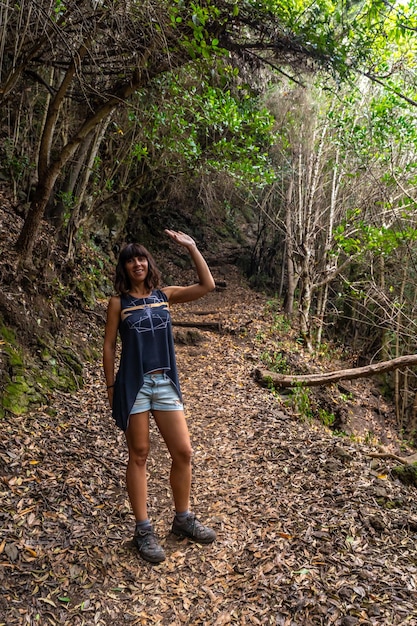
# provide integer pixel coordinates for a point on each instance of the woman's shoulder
(115, 302)
(159, 294)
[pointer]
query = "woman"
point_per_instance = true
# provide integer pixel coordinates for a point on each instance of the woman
(147, 381)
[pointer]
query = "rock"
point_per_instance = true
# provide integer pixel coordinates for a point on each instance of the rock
(377, 522)
(340, 453)
(407, 474)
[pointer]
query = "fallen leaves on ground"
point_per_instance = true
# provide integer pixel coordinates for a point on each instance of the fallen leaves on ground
(309, 531)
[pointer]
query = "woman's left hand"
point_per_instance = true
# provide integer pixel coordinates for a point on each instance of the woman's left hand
(182, 238)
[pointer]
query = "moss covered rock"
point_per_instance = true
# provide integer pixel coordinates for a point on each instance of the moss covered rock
(26, 381)
(407, 474)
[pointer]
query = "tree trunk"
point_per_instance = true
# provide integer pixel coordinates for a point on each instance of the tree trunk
(49, 175)
(315, 380)
(305, 305)
(77, 218)
(29, 232)
(306, 227)
(321, 307)
(289, 253)
(401, 387)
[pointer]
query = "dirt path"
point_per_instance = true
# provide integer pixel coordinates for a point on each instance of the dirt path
(308, 531)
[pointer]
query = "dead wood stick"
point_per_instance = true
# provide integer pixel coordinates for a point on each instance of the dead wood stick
(99, 459)
(266, 377)
(405, 460)
(203, 325)
(99, 316)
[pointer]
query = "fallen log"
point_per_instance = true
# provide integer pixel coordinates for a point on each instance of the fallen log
(266, 378)
(216, 326)
(406, 472)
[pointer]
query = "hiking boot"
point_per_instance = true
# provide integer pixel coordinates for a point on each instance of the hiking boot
(193, 529)
(148, 546)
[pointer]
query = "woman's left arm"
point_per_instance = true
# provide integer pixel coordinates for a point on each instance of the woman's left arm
(206, 281)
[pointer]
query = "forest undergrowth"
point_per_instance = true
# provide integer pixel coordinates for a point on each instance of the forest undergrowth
(311, 530)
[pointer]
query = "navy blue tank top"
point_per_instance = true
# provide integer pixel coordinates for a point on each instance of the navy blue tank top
(147, 345)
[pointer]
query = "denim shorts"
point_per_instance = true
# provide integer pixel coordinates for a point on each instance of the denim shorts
(157, 393)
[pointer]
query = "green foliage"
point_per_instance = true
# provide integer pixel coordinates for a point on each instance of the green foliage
(326, 418)
(196, 17)
(273, 306)
(90, 280)
(59, 8)
(280, 323)
(188, 123)
(338, 35)
(13, 164)
(339, 433)
(273, 357)
(299, 401)
(69, 201)
(275, 361)
(8, 335)
(260, 336)
(345, 397)
(375, 239)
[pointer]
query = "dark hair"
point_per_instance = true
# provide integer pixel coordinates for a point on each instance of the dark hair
(131, 250)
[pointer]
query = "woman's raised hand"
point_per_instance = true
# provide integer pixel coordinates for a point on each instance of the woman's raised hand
(182, 238)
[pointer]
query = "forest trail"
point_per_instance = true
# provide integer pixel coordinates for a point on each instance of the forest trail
(310, 532)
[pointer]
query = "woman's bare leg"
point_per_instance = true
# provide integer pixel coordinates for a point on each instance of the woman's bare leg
(173, 427)
(137, 437)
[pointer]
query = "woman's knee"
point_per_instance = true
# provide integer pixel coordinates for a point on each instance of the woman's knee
(183, 455)
(138, 455)
(137, 438)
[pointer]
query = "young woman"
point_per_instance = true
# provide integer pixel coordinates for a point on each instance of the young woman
(147, 381)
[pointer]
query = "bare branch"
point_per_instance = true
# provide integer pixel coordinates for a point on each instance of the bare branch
(267, 378)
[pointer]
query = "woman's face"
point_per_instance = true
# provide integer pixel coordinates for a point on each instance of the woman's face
(137, 269)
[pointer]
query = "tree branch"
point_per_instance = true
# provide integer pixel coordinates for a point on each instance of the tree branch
(267, 378)
(374, 79)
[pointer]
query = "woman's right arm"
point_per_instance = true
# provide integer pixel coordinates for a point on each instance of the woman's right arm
(109, 346)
